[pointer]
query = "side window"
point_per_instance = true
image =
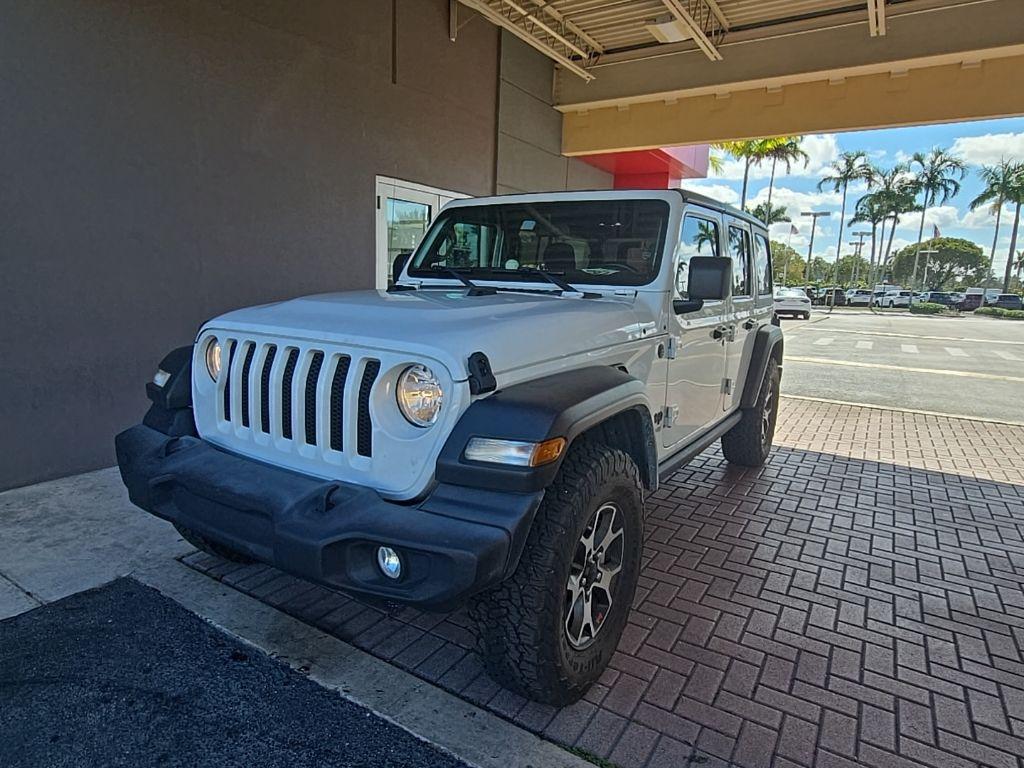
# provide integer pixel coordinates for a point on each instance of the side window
(762, 265)
(698, 237)
(739, 250)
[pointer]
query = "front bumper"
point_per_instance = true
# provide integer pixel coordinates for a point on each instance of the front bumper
(454, 543)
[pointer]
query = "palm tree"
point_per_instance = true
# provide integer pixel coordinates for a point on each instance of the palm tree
(871, 209)
(782, 149)
(1015, 195)
(770, 214)
(997, 179)
(750, 151)
(846, 169)
(937, 175)
(895, 190)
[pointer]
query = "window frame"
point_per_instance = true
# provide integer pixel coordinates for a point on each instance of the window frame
(701, 215)
(744, 230)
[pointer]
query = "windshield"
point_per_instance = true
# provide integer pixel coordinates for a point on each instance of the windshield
(793, 292)
(591, 242)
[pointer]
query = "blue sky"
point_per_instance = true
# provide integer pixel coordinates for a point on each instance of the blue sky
(978, 143)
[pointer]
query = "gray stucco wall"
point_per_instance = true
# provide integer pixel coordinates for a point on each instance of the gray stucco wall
(164, 162)
(530, 129)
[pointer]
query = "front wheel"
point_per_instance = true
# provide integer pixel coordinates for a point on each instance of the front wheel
(549, 631)
(750, 441)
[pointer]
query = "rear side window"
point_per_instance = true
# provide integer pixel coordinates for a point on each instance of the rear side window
(739, 250)
(762, 265)
(698, 237)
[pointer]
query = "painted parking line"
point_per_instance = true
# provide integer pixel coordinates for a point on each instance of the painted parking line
(963, 339)
(903, 368)
(865, 344)
(909, 349)
(955, 352)
(1006, 355)
(824, 341)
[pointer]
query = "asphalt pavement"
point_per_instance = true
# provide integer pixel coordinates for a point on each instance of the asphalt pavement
(122, 676)
(959, 366)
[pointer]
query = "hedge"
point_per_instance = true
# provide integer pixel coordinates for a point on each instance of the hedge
(927, 308)
(1009, 314)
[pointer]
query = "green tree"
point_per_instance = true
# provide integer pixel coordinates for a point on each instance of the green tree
(857, 267)
(785, 150)
(753, 152)
(843, 171)
(998, 180)
(937, 176)
(896, 191)
(1015, 195)
(749, 151)
(787, 263)
(770, 214)
(957, 261)
(871, 209)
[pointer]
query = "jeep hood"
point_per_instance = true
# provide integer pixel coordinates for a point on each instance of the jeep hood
(514, 330)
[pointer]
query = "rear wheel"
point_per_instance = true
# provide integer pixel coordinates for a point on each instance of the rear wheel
(203, 544)
(750, 441)
(549, 631)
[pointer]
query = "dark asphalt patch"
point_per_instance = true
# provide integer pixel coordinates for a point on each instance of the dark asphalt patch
(122, 676)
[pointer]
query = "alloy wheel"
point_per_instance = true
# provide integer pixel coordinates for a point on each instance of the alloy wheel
(593, 574)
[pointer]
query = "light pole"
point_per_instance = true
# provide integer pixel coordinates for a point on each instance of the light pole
(927, 253)
(860, 249)
(815, 215)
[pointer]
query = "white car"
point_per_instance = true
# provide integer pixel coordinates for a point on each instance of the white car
(486, 431)
(792, 301)
(858, 297)
(892, 299)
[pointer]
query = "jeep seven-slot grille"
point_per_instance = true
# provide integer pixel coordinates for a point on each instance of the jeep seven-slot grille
(291, 376)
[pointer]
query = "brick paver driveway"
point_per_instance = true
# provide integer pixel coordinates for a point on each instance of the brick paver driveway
(857, 601)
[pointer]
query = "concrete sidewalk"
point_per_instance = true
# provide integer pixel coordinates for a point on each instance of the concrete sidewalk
(65, 536)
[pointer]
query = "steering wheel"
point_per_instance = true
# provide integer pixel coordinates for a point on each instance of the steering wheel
(619, 264)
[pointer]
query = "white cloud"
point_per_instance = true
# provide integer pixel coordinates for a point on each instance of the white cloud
(721, 192)
(821, 150)
(796, 202)
(990, 148)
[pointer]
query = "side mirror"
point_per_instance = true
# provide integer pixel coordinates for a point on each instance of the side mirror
(399, 265)
(710, 278)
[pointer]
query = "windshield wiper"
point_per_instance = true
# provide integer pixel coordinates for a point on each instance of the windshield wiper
(474, 289)
(554, 280)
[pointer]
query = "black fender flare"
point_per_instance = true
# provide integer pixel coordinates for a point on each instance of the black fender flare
(767, 344)
(563, 404)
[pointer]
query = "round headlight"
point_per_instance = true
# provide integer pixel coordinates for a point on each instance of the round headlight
(419, 395)
(213, 357)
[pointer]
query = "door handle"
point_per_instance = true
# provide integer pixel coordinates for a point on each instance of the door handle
(720, 332)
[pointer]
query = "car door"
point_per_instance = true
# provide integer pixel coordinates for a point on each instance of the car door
(696, 351)
(740, 311)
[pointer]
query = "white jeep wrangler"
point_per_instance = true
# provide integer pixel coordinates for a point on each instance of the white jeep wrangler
(487, 428)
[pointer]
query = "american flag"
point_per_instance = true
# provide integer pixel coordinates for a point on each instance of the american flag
(793, 230)
(935, 232)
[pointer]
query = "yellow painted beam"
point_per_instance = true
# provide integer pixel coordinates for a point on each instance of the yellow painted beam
(982, 88)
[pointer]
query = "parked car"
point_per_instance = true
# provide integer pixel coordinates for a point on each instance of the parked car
(858, 297)
(834, 297)
(792, 301)
(472, 435)
(991, 295)
(892, 299)
(1008, 301)
(973, 298)
(944, 298)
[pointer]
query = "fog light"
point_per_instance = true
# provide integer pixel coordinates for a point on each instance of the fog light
(389, 561)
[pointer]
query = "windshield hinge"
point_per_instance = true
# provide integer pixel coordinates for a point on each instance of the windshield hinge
(672, 348)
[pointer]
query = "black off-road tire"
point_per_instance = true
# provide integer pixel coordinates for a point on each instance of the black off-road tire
(203, 544)
(521, 622)
(750, 441)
